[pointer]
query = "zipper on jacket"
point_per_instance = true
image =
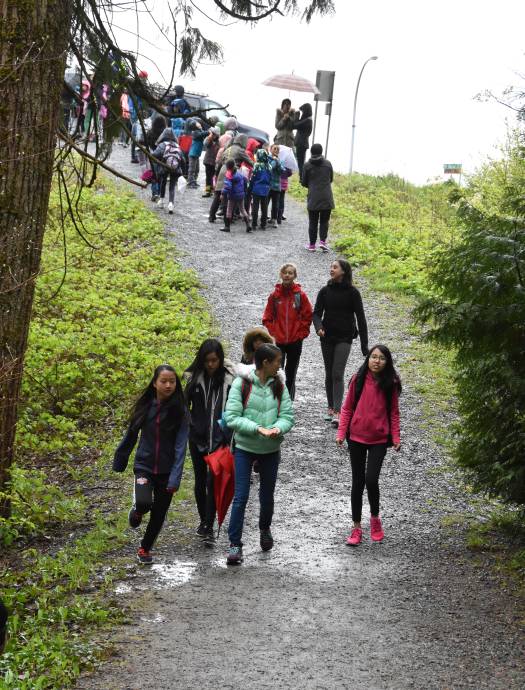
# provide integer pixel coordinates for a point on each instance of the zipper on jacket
(157, 440)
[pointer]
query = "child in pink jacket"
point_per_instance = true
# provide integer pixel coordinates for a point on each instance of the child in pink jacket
(370, 422)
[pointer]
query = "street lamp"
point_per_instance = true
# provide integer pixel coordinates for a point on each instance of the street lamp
(374, 57)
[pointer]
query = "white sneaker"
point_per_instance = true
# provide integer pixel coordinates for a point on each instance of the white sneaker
(160, 203)
(170, 207)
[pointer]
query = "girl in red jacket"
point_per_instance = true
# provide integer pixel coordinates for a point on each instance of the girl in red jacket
(288, 316)
(370, 422)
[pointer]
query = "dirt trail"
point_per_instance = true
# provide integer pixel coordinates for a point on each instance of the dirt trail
(412, 612)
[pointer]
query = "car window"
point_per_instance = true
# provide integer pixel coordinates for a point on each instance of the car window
(193, 102)
(219, 111)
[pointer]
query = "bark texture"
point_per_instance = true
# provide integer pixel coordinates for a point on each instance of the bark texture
(34, 36)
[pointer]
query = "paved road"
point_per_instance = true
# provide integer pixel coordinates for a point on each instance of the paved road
(413, 612)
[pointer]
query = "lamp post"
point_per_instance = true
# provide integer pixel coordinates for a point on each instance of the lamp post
(374, 57)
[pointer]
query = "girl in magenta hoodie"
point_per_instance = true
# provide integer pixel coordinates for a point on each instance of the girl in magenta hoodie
(370, 422)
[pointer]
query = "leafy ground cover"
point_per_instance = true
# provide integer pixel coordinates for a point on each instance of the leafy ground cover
(122, 306)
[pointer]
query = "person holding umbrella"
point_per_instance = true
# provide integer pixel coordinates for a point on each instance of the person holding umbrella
(285, 118)
(259, 410)
(209, 380)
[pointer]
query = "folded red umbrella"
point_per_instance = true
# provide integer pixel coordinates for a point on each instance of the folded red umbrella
(220, 463)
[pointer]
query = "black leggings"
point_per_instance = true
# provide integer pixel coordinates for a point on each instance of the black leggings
(172, 187)
(152, 497)
(280, 210)
(321, 220)
(218, 200)
(291, 353)
(210, 174)
(204, 496)
(335, 357)
(365, 474)
(275, 196)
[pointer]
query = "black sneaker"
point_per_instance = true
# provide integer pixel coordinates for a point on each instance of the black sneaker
(134, 518)
(266, 540)
(201, 530)
(209, 538)
(144, 556)
(234, 556)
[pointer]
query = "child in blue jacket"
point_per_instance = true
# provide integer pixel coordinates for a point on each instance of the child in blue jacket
(160, 416)
(198, 135)
(277, 170)
(234, 190)
(260, 187)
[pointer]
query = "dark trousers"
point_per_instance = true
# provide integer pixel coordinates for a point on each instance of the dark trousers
(280, 208)
(204, 496)
(218, 200)
(152, 497)
(365, 473)
(318, 219)
(173, 185)
(263, 202)
(275, 195)
(300, 154)
(268, 466)
(335, 357)
(291, 353)
(210, 172)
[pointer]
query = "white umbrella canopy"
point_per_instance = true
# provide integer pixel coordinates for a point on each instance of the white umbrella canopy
(287, 158)
(291, 82)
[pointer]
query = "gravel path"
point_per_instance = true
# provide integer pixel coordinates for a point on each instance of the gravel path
(413, 612)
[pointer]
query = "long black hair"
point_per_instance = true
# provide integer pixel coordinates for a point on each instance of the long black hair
(388, 379)
(347, 272)
(175, 405)
(197, 367)
(269, 352)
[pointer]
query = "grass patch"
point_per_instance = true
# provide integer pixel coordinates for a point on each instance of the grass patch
(124, 307)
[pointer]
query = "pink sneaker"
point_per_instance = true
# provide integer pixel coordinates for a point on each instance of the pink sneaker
(355, 537)
(376, 529)
(310, 247)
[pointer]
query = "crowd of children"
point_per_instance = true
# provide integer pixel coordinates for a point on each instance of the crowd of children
(249, 407)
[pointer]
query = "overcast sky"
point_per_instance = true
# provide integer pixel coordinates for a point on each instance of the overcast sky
(416, 108)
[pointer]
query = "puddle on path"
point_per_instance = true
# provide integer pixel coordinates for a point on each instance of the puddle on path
(176, 573)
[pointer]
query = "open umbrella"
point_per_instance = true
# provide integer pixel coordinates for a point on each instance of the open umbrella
(220, 463)
(287, 158)
(291, 82)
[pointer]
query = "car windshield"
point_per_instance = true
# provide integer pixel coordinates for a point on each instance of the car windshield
(218, 110)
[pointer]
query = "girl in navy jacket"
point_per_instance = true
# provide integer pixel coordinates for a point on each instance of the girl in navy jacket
(160, 416)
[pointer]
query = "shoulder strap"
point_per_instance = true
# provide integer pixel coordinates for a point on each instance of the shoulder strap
(297, 300)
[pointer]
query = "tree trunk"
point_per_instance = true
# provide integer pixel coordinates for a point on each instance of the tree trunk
(34, 36)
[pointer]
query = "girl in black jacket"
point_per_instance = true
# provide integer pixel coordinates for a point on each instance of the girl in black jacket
(160, 416)
(206, 395)
(337, 307)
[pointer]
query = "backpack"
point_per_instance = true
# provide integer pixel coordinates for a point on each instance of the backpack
(246, 390)
(172, 157)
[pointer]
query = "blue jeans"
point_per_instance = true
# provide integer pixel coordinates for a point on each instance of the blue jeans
(268, 465)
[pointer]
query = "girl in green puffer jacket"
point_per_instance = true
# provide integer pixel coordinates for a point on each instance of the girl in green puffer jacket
(259, 410)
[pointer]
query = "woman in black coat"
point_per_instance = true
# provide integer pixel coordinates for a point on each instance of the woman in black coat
(317, 177)
(302, 136)
(337, 307)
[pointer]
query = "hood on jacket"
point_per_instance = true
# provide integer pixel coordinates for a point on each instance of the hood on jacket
(253, 146)
(241, 140)
(306, 110)
(316, 160)
(230, 123)
(167, 135)
(258, 333)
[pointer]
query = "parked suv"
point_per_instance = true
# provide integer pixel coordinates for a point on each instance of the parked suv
(198, 102)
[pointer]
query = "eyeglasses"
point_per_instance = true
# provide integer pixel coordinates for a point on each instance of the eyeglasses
(378, 358)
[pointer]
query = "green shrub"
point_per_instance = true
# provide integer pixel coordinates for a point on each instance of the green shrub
(478, 308)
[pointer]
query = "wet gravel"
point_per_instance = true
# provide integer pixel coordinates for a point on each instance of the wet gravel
(413, 612)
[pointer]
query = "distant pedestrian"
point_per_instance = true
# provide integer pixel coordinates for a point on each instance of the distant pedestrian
(236, 149)
(160, 417)
(198, 136)
(288, 317)
(179, 105)
(260, 412)
(277, 169)
(210, 379)
(211, 148)
(169, 152)
(285, 118)
(317, 177)
(234, 190)
(370, 424)
(259, 188)
(337, 307)
(303, 127)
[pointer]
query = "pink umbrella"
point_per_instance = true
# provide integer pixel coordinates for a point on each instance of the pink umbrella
(291, 82)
